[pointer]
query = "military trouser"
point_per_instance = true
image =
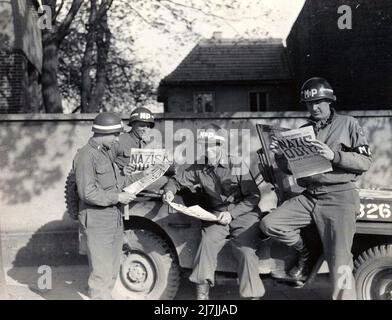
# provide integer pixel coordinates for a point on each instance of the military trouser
(104, 231)
(244, 232)
(334, 214)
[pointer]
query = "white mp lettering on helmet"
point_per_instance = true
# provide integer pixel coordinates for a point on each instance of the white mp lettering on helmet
(208, 135)
(145, 116)
(310, 93)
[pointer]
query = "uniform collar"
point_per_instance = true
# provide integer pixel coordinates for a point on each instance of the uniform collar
(134, 134)
(321, 124)
(93, 143)
(222, 163)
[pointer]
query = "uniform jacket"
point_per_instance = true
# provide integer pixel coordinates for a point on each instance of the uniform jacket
(97, 178)
(121, 154)
(347, 140)
(121, 151)
(225, 189)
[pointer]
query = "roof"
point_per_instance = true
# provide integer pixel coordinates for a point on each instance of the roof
(233, 60)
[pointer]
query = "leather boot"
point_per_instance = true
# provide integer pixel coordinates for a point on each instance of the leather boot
(202, 291)
(301, 270)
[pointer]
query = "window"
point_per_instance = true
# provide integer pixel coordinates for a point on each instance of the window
(258, 101)
(204, 102)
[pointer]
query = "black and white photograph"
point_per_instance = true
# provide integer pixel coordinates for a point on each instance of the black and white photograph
(195, 151)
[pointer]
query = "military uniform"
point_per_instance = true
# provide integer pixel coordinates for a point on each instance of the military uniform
(330, 199)
(99, 183)
(121, 153)
(226, 190)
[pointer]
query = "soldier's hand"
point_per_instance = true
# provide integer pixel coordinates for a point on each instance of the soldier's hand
(274, 146)
(323, 150)
(126, 197)
(168, 197)
(129, 169)
(225, 218)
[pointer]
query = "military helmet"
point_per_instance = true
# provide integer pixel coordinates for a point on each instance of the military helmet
(143, 115)
(316, 89)
(107, 122)
(211, 133)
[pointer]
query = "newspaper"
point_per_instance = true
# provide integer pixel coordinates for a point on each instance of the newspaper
(143, 158)
(302, 156)
(150, 175)
(194, 211)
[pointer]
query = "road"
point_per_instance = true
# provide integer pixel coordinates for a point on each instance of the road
(69, 283)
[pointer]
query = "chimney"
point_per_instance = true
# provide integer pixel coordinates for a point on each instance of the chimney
(217, 35)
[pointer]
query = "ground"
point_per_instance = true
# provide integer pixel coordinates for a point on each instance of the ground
(69, 283)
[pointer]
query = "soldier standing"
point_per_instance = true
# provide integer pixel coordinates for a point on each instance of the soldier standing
(233, 197)
(99, 188)
(330, 199)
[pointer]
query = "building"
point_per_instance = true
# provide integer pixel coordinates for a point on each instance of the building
(20, 56)
(229, 75)
(357, 61)
(258, 75)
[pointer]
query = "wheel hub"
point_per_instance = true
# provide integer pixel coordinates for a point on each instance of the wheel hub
(379, 284)
(385, 288)
(138, 272)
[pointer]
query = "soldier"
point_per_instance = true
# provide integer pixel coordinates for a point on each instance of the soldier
(99, 188)
(330, 199)
(142, 121)
(233, 198)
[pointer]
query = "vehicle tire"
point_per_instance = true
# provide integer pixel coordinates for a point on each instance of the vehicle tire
(149, 270)
(373, 274)
(71, 196)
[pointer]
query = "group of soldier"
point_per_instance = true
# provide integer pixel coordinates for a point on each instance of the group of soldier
(330, 200)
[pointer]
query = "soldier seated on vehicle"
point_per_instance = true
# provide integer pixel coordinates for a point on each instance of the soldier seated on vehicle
(142, 121)
(233, 197)
(330, 200)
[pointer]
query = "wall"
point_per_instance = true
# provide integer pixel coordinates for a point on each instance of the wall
(36, 153)
(231, 98)
(357, 61)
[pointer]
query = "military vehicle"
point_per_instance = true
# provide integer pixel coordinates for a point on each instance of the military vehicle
(159, 244)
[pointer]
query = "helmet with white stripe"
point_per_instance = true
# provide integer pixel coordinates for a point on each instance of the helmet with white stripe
(211, 133)
(317, 89)
(107, 123)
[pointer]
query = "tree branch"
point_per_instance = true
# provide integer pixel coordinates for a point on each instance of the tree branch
(65, 25)
(57, 12)
(103, 8)
(194, 8)
(141, 16)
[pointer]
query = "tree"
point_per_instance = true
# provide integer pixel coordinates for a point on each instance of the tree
(51, 41)
(98, 39)
(123, 81)
(101, 70)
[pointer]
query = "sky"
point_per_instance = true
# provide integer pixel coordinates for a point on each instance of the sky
(163, 53)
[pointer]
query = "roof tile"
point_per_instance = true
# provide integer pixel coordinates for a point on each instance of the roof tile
(233, 59)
